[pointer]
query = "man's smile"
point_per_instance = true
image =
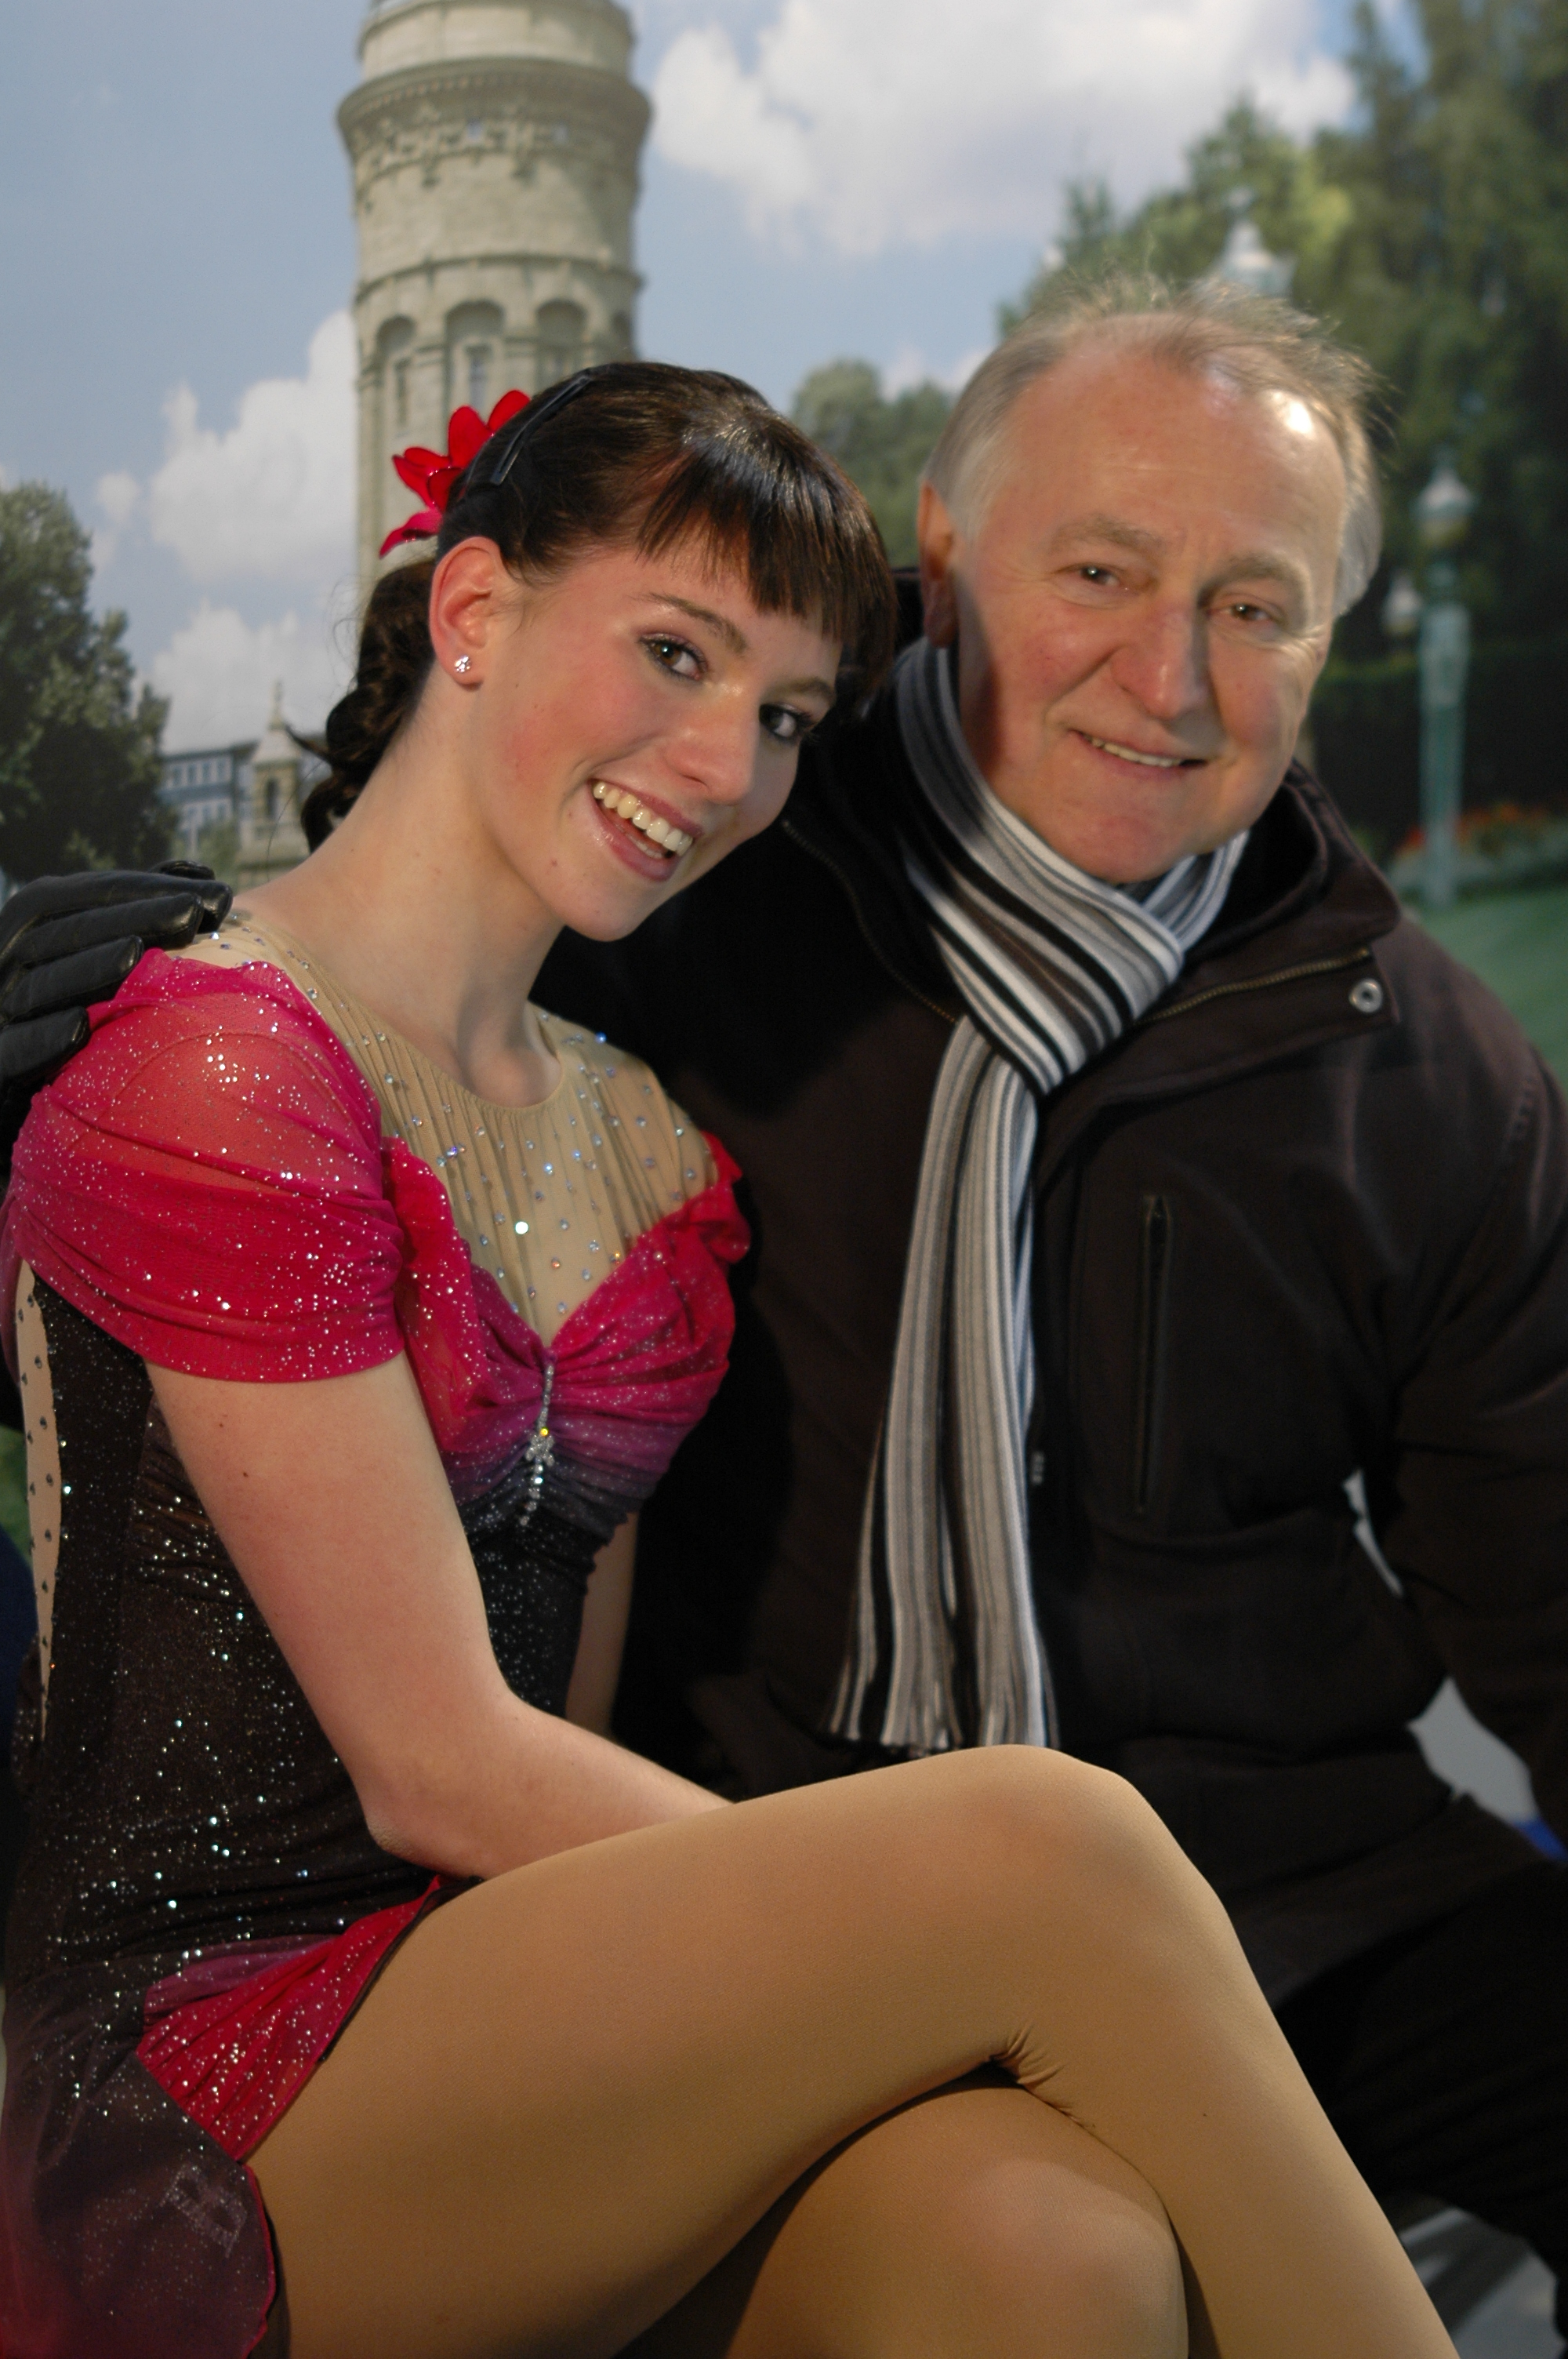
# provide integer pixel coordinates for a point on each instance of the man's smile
(1131, 754)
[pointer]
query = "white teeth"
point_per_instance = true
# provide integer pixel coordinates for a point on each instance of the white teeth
(674, 839)
(1150, 761)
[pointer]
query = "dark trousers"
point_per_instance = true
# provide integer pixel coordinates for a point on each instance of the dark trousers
(1441, 2057)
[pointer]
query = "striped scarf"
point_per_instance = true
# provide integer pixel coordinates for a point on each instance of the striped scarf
(1052, 966)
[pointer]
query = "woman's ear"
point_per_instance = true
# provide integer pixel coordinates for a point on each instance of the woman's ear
(467, 593)
(938, 537)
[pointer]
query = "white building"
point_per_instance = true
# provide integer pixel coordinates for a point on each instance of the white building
(495, 147)
(238, 805)
(204, 790)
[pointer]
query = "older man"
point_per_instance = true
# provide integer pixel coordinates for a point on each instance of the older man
(1137, 1195)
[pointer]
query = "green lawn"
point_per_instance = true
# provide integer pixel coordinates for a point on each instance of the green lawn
(1516, 942)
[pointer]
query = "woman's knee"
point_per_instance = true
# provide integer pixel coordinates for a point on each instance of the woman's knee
(1062, 1818)
(1026, 2261)
(977, 2219)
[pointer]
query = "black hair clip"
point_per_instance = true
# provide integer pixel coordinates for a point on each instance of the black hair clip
(526, 420)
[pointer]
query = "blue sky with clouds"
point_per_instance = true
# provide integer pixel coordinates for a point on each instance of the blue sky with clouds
(825, 177)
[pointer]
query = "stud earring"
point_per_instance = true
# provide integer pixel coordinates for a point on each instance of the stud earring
(464, 665)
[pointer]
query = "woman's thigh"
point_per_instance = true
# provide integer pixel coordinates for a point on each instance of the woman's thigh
(575, 2089)
(975, 2220)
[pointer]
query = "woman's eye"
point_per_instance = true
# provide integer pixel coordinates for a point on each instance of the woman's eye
(785, 724)
(675, 656)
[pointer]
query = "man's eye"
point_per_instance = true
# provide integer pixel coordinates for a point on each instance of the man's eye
(1096, 573)
(675, 654)
(785, 724)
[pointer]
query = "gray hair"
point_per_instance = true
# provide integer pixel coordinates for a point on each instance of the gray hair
(1258, 343)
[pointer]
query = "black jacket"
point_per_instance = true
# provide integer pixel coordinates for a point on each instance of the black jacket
(1308, 1221)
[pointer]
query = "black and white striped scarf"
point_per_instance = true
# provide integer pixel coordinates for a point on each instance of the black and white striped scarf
(1052, 966)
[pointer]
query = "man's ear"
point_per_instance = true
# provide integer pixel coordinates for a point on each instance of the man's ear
(466, 593)
(938, 537)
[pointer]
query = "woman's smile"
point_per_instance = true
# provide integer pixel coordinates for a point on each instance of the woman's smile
(643, 832)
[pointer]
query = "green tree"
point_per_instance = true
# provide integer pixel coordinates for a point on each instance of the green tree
(1177, 234)
(1453, 277)
(880, 443)
(1433, 231)
(79, 747)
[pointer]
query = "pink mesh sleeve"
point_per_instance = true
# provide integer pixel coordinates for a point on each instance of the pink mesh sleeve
(204, 1182)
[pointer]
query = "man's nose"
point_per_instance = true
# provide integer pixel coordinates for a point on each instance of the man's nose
(1163, 661)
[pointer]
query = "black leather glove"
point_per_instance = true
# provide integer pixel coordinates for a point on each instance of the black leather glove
(67, 942)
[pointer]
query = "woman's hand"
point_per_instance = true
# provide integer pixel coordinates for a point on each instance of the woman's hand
(332, 1500)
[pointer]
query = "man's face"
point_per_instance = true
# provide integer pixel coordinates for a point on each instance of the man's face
(1143, 609)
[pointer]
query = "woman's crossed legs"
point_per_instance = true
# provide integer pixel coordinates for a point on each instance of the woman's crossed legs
(579, 2088)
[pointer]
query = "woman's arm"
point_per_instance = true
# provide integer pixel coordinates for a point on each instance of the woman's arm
(332, 1500)
(596, 1674)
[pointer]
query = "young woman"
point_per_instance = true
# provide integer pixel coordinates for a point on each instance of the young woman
(358, 1305)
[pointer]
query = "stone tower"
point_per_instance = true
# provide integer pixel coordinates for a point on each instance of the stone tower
(494, 146)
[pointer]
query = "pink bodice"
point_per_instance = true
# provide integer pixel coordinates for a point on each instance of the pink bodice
(208, 1182)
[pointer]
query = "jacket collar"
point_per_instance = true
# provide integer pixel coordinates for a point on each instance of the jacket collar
(1304, 897)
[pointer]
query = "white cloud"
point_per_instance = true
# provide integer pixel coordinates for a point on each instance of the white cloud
(119, 497)
(219, 671)
(877, 126)
(274, 497)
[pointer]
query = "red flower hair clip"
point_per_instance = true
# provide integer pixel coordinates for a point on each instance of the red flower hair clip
(432, 474)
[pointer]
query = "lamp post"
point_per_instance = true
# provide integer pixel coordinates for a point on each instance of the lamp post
(1442, 513)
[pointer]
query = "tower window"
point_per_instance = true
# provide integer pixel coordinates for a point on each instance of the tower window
(560, 329)
(479, 372)
(400, 391)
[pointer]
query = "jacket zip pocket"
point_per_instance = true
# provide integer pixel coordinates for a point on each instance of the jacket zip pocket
(1156, 1229)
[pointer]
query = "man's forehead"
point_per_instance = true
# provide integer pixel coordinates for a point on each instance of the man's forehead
(1121, 411)
(1130, 451)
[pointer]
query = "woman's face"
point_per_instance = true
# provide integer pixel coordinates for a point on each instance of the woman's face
(622, 729)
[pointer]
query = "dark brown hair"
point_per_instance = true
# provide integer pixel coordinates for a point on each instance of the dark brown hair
(639, 454)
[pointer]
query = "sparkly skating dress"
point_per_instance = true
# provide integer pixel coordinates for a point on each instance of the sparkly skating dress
(245, 1175)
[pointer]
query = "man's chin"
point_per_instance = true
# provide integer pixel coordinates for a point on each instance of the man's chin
(1128, 847)
(1123, 857)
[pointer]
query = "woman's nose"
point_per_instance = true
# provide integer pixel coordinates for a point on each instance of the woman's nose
(718, 753)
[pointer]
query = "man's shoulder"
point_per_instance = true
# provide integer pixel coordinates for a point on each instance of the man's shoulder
(1473, 1048)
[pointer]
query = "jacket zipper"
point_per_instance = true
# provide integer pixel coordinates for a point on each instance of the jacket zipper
(823, 860)
(1254, 983)
(1156, 1230)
